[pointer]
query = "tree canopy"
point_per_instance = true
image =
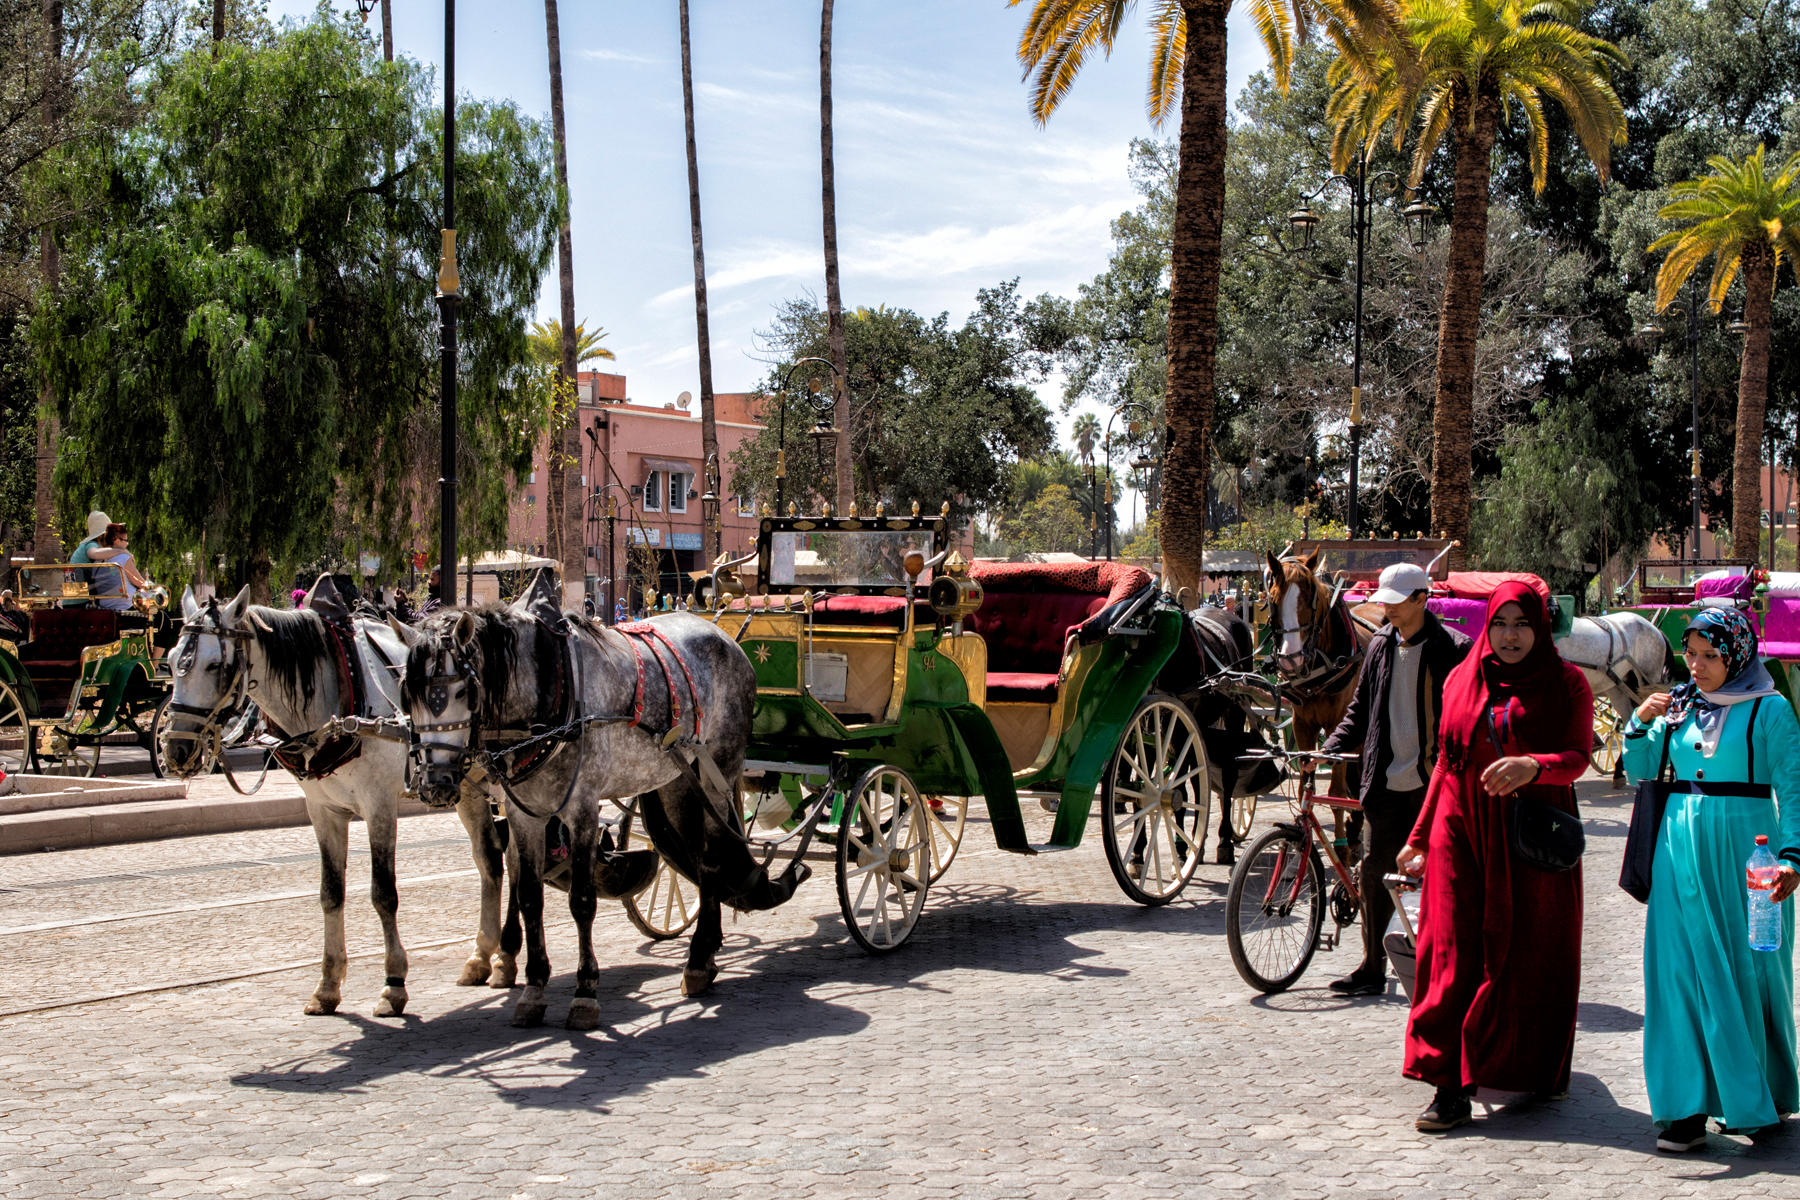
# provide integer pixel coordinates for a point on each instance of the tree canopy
(244, 351)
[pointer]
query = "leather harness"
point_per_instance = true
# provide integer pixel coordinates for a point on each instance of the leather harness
(300, 755)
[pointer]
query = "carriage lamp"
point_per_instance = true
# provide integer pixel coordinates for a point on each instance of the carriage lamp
(1304, 221)
(1738, 326)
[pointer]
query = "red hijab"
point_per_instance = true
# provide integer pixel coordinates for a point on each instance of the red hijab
(1527, 696)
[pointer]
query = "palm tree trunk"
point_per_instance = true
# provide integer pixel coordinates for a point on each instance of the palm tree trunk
(562, 508)
(1194, 295)
(1459, 325)
(218, 25)
(1753, 396)
(834, 300)
(709, 426)
(46, 547)
(387, 30)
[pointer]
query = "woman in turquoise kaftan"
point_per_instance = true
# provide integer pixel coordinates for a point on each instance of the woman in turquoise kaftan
(1718, 1016)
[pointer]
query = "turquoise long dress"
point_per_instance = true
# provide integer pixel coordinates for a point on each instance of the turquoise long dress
(1719, 1016)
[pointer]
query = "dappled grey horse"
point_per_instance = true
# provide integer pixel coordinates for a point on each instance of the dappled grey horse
(298, 671)
(559, 714)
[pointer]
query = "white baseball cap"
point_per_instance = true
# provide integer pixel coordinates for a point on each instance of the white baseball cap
(1399, 582)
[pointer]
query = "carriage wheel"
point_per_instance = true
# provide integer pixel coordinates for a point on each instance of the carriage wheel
(884, 859)
(670, 904)
(1154, 801)
(1609, 737)
(944, 818)
(1243, 815)
(63, 753)
(15, 732)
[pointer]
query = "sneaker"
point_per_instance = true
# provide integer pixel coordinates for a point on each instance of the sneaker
(1679, 1137)
(1448, 1110)
(1358, 984)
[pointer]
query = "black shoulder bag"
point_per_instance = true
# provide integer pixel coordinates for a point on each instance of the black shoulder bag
(1647, 809)
(1542, 835)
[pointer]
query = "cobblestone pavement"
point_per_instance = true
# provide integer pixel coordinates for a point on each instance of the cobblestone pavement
(1039, 1036)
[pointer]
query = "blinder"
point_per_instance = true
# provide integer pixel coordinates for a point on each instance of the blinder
(232, 690)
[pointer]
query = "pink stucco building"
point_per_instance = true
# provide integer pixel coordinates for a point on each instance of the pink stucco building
(655, 480)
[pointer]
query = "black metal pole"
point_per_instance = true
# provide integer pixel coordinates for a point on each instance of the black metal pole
(612, 575)
(781, 450)
(448, 287)
(1359, 213)
(1694, 352)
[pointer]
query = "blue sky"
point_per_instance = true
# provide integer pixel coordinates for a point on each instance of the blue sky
(944, 184)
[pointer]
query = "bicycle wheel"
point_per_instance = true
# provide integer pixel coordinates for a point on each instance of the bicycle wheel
(1274, 911)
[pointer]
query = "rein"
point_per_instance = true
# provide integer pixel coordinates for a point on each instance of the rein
(209, 736)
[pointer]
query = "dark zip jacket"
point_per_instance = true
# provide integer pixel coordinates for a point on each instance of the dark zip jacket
(1365, 726)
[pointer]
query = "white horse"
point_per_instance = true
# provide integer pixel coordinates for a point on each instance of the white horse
(1623, 655)
(289, 664)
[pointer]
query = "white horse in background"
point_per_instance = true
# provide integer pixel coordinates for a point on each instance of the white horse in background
(1623, 656)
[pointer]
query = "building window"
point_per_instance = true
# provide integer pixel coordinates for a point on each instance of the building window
(531, 478)
(530, 499)
(746, 505)
(653, 483)
(678, 490)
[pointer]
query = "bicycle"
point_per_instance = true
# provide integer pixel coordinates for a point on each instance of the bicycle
(1275, 908)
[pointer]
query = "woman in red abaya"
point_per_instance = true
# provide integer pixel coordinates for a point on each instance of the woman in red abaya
(1499, 940)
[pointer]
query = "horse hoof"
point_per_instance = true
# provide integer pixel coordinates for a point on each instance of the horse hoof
(1225, 856)
(698, 983)
(392, 1003)
(317, 1007)
(583, 1014)
(504, 975)
(528, 1016)
(474, 972)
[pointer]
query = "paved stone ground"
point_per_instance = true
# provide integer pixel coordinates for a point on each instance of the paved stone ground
(1040, 1036)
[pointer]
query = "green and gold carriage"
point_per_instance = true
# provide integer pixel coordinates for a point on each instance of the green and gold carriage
(895, 682)
(73, 679)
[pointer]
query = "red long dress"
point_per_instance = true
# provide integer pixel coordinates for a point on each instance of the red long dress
(1499, 954)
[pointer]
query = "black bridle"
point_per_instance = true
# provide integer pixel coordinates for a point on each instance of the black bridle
(234, 665)
(1320, 672)
(425, 757)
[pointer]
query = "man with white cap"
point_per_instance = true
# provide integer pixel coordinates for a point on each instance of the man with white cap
(1392, 720)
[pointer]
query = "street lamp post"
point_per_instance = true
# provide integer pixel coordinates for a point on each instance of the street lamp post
(822, 427)
(449, 292)
(1357, 181)
(1146, 416)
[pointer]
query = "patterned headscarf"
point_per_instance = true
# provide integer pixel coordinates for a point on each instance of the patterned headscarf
(1734, 637)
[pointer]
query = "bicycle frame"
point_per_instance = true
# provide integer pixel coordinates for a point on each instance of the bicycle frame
(1313, 831)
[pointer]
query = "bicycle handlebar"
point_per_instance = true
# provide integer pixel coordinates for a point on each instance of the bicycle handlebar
(1278, 755)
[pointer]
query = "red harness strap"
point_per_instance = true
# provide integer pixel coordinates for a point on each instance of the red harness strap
(338, 751)
(651, 635)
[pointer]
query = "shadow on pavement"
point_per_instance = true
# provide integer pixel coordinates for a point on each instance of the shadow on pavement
(770, 994)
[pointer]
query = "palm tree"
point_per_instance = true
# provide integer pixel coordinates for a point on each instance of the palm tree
(1087, 435)
(1187, 63)
(709, 428)
(46, 547)
(547, 343)
(562, 510)
(834, 300)
(1746, 222)
(1461, 67)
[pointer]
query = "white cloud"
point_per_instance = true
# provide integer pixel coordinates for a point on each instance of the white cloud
(623, 56)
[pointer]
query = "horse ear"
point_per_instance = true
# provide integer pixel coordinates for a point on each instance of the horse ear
(464, 632)
(408, 636)
(1274, 569)
(189, 605)
(234, 612)
(1312, 561)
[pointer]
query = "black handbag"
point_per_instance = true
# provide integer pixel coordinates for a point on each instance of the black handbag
(1646, 822)
(1652, 800)
(1542, 835)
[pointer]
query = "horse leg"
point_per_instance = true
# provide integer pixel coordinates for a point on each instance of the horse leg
(703, 947)
(490, 863)
(584, 833)
(332, 828)
(384, 893)
(525, 856)
(512, 937)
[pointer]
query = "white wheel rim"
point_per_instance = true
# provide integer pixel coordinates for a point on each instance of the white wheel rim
(1160, 806)
(671, 902)
(946, 829)
(15, 730)
(889, 851)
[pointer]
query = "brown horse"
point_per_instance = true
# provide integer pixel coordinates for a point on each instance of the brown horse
(1318, 649)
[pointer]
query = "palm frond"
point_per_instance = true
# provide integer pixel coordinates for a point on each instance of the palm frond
(1168, 51)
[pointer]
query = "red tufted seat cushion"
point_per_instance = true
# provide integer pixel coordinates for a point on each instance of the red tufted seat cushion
(879, 611)
(59, 635)
(1028, 613)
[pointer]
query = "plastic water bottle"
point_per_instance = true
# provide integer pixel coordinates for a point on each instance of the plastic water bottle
(1759, 881)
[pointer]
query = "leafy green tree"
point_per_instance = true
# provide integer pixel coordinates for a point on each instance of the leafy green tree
(1463, 65)
(245, 352)
(1051, 523)
(937, 413)
(1745, 219)
(1187, 66)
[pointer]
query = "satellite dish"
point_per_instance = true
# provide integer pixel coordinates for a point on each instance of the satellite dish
(683, 400)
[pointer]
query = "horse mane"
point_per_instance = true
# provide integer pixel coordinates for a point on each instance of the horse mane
(497, 630)
(293, 641)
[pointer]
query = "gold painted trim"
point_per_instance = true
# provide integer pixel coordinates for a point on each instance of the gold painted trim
(969, 652)
(1075, 671)
(90, 654)
(11, 648)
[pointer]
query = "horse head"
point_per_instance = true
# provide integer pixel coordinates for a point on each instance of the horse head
(442, 696)
(1298, 601)
(211, 664)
